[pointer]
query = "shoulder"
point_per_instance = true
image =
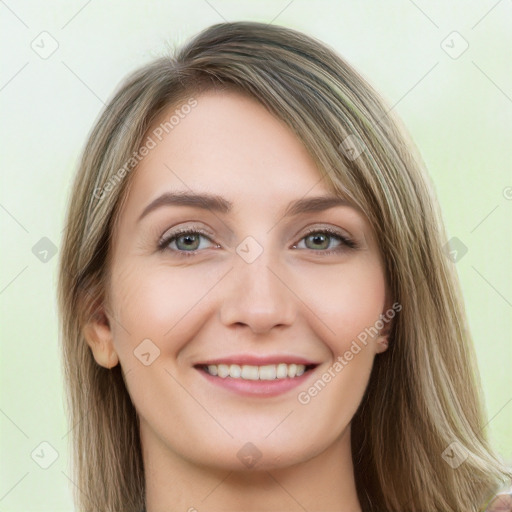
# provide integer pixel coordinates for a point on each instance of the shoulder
(501, 503)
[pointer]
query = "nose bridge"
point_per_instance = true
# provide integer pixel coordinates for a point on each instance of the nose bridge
(256, 295)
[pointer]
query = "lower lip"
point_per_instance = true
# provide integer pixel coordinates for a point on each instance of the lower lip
(263, 388)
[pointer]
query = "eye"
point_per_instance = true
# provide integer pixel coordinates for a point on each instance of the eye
(320, 240)
(187, 242)
(184, 242)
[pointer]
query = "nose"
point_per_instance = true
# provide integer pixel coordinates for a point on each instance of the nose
(257, 295)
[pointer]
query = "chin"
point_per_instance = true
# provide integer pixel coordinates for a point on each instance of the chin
(258, 454)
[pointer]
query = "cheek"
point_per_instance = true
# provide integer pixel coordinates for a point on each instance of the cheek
(156, 302)
(347, 300)
(348, 303)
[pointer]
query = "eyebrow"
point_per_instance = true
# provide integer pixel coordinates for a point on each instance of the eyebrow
(219, 204)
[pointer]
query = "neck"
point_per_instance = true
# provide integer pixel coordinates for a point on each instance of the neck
(324, 482)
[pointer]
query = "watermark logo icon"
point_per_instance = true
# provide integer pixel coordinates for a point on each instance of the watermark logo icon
(44, 455)
(146, 352)
(45, 45)
(44, 250)
(454, 45)
(455, 249)
(249, 455)
(455, 454)
(249, 249)
(352, 147)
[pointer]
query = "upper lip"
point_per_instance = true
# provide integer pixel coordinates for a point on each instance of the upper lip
(255, 360)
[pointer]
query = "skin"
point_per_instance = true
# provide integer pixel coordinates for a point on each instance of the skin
(501, 503)
(291, 299)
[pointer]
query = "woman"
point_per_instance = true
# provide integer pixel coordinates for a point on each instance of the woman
(257, 310)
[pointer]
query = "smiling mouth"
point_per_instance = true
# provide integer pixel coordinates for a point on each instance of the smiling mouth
(269, 372)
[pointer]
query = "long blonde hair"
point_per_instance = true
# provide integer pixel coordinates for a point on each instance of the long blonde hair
(423, 397)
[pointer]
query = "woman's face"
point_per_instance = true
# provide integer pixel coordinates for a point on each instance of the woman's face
(258, 284)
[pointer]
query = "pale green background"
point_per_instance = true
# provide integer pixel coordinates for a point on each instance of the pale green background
(459, 112)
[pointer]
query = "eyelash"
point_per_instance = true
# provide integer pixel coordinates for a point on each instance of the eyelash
(345, 241)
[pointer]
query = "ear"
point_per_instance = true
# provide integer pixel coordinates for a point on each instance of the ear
(98, 334)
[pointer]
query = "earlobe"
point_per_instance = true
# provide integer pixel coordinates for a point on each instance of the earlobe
(382, 344)
(98, 334)
(383, 337)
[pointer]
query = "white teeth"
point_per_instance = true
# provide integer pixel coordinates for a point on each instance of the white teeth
(282, 371)
(235, 371)
(268, 372)
(222, 370)
(249, 372)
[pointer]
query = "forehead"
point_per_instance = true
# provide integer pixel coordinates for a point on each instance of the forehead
(228, 144)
